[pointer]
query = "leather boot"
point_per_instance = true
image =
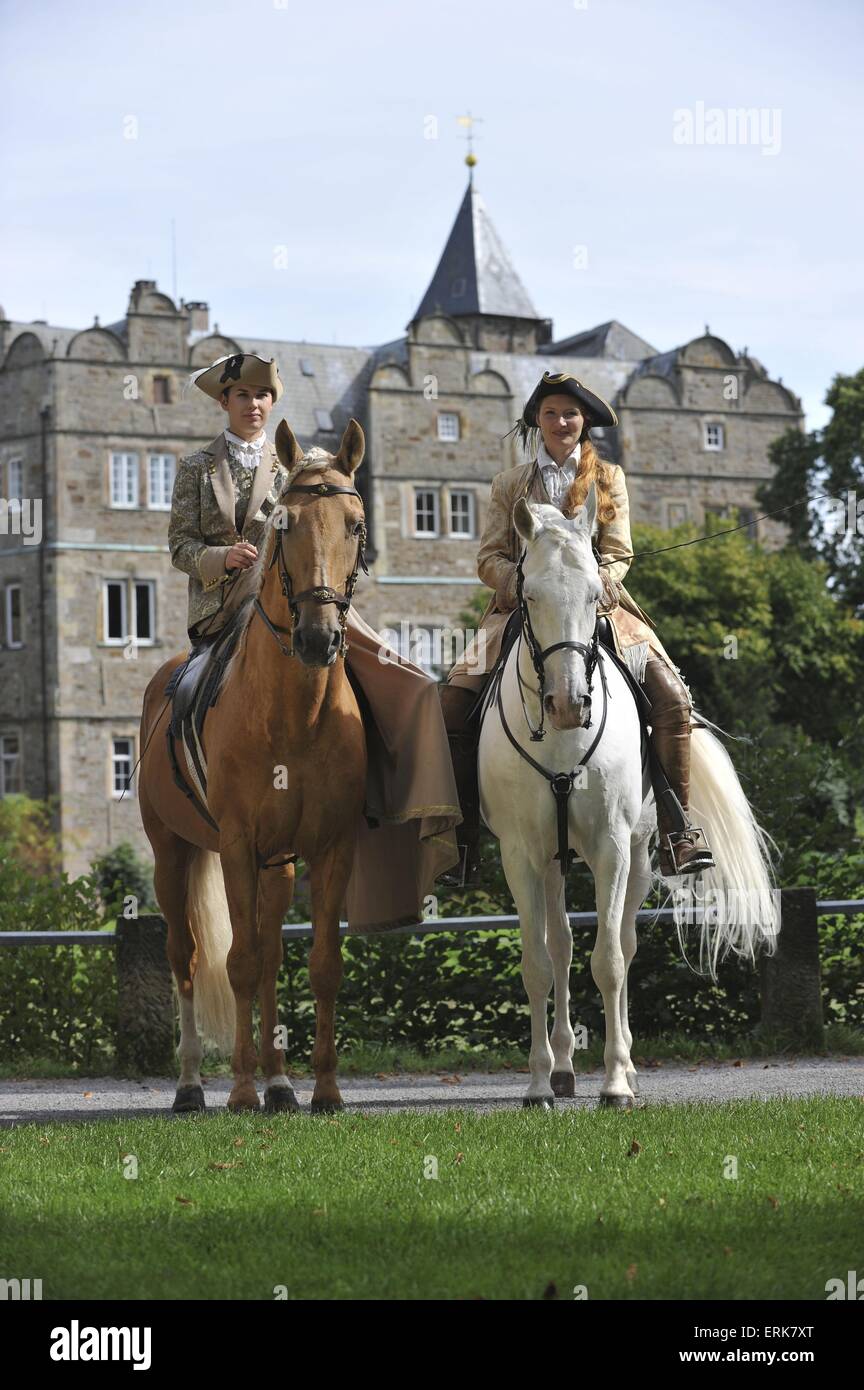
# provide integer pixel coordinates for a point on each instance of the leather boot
(455, 703)
(683, 847)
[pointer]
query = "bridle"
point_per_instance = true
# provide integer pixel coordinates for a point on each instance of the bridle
(561, 783)
(590, 652)
(322, 593)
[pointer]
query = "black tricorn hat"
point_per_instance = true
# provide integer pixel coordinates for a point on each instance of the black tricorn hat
(594, 408)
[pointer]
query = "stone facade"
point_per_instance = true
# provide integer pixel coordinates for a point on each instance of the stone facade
(436, 405)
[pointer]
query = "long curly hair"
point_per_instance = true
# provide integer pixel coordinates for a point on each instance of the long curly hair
(592, 468)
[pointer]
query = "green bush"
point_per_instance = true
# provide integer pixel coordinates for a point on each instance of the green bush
(121, 873)
(55, 1001)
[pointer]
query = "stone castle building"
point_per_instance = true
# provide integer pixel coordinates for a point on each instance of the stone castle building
(93, 421)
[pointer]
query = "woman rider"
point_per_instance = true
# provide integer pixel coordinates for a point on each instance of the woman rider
(554, 430)
(224, 493)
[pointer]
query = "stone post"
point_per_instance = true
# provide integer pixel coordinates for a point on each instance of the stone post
(791, 980)
(145, 1015)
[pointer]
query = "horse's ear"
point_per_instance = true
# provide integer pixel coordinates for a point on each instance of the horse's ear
(526, 521)
(352, 448)
(288, 451)
(586, 516)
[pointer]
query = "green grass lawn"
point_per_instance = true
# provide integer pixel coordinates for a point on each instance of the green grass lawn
(526, 1204)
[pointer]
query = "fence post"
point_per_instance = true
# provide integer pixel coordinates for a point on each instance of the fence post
(145, 997)
(791, 979)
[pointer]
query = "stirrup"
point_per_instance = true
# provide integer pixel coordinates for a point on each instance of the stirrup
(458, 876)
(705, 859)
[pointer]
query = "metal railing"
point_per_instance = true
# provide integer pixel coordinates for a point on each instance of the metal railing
(295, 931)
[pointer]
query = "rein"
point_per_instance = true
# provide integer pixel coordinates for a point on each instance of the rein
(561, 783)
(322, 593)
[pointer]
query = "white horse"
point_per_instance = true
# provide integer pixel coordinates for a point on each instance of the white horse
(608, 817)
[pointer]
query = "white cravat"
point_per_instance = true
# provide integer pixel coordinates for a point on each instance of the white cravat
(558, 478)
(246, 451)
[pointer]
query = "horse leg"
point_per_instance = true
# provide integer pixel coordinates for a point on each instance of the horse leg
(529, 895)
(638, 886)
(611, 872)
(173, 857)
(559, 943)
(329, 876)
(244, 964)
(275, 893)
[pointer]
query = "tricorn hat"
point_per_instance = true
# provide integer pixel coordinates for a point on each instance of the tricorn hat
(594, 408)
(239, 369)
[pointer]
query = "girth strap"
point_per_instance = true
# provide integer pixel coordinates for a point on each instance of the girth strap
(180, 781)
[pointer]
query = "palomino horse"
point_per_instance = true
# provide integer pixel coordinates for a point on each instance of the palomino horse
(223, 905)
(601, 802)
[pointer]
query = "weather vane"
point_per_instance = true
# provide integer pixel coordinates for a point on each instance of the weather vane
(469, 122)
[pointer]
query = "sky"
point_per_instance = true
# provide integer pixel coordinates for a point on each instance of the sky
(310, 158)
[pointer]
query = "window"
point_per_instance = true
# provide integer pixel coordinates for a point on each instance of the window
(12, 613)
(677, 513)
(425, 512)
(462, 513)
(161, 390)
(10, 764)
(160, 471)
(747, 517)
(124, 480)
(713, 437)
(14, 480)
(123, 599)
(448, 426)
(718, 511)
(122, 758)
(307, 366)
(324, 420)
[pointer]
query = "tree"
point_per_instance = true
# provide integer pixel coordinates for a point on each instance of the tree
(120, 873)
(826, 462)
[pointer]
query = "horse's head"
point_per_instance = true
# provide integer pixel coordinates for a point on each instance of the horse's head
(561, 591)
(314, 540)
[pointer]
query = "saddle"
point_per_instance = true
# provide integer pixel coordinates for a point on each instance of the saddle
(193, 688)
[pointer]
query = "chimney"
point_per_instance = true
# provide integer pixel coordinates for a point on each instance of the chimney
(199, 316)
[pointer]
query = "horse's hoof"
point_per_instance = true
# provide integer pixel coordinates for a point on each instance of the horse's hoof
(327, 1107)
(243, 1107)
(189, 1100)
(633, 1083)
(616, 1102)
(538, 1103)
(564, 1084)
(280, 1099)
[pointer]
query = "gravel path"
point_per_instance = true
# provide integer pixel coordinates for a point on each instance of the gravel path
(24, 1101)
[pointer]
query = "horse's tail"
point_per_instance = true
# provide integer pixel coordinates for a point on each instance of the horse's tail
(739, 898)
(210, 924)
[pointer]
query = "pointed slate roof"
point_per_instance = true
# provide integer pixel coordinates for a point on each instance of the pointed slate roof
(475, 274)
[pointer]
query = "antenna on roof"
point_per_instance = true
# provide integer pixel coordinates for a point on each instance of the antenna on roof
(469, 122)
